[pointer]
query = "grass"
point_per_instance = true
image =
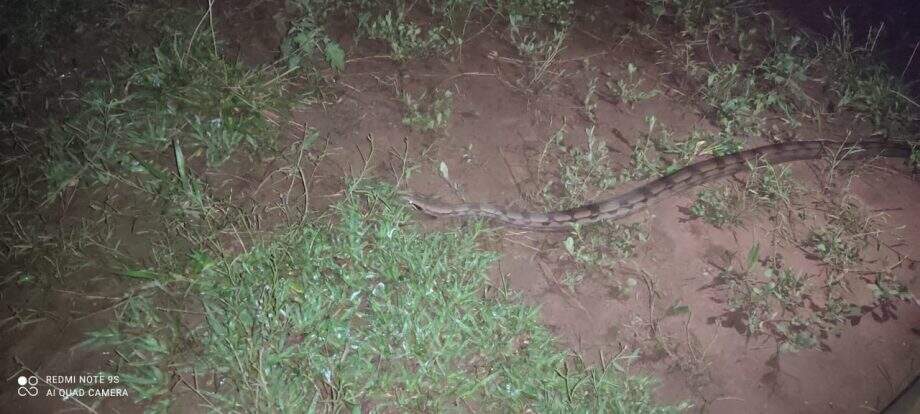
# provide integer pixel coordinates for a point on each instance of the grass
(411, 31)
(583, 172)
(181, 94)
(863, 85)
(604, 246)
(362, 312)
(848, 231)
(658, 153)
(768, 188)
(629, 87)
(429, 112)
(721, 207)
(774, 302)
(765, 298)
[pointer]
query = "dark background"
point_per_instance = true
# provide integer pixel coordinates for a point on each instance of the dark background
(897, 41)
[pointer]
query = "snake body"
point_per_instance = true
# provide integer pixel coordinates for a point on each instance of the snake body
(687, 177)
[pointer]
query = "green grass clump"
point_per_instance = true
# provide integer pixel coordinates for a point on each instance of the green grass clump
(431, 28)
(770, 186)
(307, 36)
(863, 85)
(363, 313)
(777, 302)
(658, 153)
(629, 88)
(583, 172)
(767, 187)
(720, 207)
(605, 244)
(847, 233)
(429, 112)
(180, 93)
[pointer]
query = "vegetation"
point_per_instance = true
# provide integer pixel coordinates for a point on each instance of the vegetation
(790, 306)
(365, 311)
(355, 308)
(428, 112)
(182, 93)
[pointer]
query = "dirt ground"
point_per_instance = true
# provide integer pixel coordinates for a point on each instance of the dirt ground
(491, 148)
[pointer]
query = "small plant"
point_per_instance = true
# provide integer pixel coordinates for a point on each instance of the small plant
(629, 89)
(404, 37)
(847, 232)
(589, 103)
(557, 13)
(720, 207)
(769, 185)
(672, 155)
(784, 71)
(885, 289)
(863, 85)
(735, 100)
(776, 303)
(430, 112)
(582, 173)
(183, 91)
(914, 160)
(307, 36)
(540, 53)
(572, 279)
(604, 245)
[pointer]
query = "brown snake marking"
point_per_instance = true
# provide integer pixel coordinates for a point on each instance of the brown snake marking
(687, 177)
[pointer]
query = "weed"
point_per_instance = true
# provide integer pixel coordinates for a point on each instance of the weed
(403, 37)
(629, 89)
(307, 36)
(572, 279)
(555, 12)
(604, 246)
(769, 186)
(582, 172)
(540, 53)
(646, 161)
(863, 85)
(784, 71)
(720, 206)
(430, 112)
(885, 289)
(733, 97)
(589, 103)
(358, 309)
(914, 160)
(673, 155)
(847, 233)
(184, 91)
(775, 304)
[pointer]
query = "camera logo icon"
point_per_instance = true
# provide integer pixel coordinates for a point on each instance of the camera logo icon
(27, 386)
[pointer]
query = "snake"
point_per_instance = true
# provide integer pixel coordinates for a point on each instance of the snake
(692, 175)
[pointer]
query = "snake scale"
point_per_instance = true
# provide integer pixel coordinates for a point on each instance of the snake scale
(687, 177)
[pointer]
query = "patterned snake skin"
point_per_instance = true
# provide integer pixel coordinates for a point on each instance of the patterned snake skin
(690, 176)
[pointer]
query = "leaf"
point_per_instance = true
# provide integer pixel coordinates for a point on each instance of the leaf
(442, 167)
(335, 55)
(146, 274)
(678, 309)
(569, 245)
(753, 255)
